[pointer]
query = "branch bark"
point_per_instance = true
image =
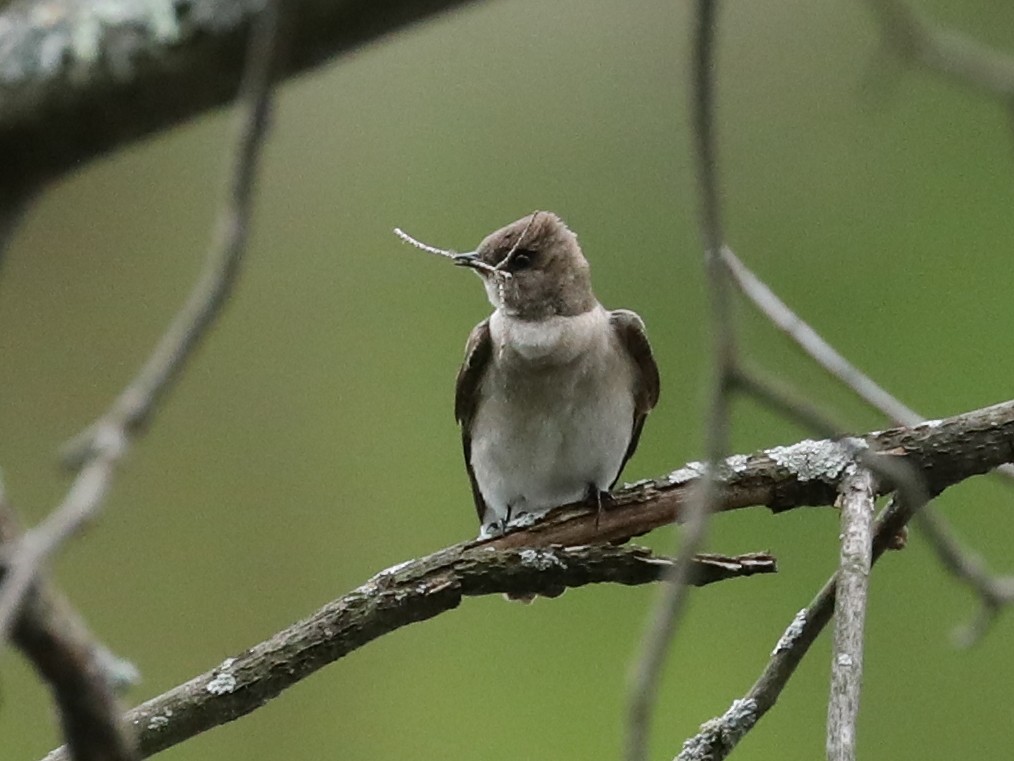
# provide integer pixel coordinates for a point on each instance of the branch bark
(394, 598)
(79, 79)
(850, 615)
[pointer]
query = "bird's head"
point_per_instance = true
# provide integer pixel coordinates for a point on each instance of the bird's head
(533, 268)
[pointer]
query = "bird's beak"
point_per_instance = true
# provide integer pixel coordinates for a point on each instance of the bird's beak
(470, 260)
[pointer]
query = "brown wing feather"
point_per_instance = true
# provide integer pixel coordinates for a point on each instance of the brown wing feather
(630, 330)
(478, 352)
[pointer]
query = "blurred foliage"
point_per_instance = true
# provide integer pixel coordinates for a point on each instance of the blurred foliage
(311, 442)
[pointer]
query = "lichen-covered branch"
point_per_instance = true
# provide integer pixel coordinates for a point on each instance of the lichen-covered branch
(79, 78)
(942, 452)
(404, 594)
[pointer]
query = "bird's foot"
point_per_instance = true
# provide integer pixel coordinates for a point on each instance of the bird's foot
(492, 530)
(602, 500)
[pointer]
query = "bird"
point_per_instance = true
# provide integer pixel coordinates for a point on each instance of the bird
(554, 388)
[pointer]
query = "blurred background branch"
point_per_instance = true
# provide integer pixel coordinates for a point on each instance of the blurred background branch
(56, 641)
(82, 79)
(945, 51)
(95, 454)
(664, 618)
(38, 621)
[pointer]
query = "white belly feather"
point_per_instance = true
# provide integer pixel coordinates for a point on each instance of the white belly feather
(556, 413)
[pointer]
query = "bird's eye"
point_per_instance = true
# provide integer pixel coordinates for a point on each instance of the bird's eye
(522, 259)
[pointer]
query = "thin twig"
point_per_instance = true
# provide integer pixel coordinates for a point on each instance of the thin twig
(453, 255)
(402, 595)
(969, 570)
(825, 355)
(857, 507)
(665, 616)
(96, 452)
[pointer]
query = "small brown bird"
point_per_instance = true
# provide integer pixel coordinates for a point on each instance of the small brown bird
(554, 389)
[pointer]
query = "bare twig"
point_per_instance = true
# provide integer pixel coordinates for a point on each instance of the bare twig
(97, 451)
(719, 736)
(57, 643)
(394, 598)
(665, 616)
(857, 507)
(969, 569)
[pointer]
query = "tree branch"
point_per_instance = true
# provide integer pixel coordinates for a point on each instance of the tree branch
(404, 594)
(857, 507)
(81, 79)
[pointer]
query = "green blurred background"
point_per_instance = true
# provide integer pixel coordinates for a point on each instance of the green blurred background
(311, 442)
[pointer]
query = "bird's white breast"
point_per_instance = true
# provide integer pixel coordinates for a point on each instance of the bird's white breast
(555, 413)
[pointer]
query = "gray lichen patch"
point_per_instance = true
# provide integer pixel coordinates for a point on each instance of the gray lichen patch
(688, 472)
(42, 40)
(721, 733)
(541, 560)
(224, 680)
(159, 721)
(824, 460)
(791, 633)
